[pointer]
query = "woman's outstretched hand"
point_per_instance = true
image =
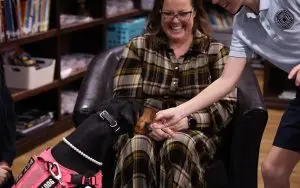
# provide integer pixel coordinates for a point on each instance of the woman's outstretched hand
(169, 117)
(160, 134)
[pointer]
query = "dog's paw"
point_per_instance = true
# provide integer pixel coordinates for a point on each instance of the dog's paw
(142, 126)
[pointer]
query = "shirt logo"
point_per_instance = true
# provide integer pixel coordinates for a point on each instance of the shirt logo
(284, 19)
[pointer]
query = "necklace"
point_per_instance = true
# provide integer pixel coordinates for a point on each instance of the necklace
(81, 153)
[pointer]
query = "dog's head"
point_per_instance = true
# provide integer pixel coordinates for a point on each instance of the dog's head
(122, 111)
(96, 134)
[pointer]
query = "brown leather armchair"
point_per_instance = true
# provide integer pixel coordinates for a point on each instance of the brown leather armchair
(236, 162)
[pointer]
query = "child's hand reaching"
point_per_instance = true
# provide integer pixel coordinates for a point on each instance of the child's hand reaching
(170, 117)
(4, 172)
(295, 74)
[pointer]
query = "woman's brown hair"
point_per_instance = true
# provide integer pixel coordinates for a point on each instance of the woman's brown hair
(201, 21)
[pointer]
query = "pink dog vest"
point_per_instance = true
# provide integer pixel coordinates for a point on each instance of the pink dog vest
(44, 172)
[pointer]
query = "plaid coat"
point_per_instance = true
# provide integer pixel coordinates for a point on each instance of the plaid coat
(149, 70)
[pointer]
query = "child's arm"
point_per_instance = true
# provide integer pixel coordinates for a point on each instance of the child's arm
(218, 89)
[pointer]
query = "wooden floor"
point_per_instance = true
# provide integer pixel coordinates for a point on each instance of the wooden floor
(274, 118)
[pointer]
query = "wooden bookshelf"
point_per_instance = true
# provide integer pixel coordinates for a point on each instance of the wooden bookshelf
(74, 76)
(82, 26)
(28, 39)
(21, 94)
(275, 102)
(60, 40)
(26, 143)
(275, 82)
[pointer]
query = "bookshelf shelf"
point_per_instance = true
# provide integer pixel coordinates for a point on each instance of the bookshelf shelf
(275, 83)
(129, 14)
(100, 21)
(275, 102)
(21, 94)
(74, 76)
(29, 39)
(43, 134)
(81, 26)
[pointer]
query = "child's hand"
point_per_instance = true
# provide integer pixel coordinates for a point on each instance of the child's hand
(4, 172)
(295, 74)
(169, 117)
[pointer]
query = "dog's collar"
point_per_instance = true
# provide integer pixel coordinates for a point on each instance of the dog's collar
(113, 123)
(81, 153)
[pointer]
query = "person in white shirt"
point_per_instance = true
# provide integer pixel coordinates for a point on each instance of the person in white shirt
(270, 28)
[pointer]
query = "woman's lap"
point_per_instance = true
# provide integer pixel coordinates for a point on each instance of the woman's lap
(177, 160)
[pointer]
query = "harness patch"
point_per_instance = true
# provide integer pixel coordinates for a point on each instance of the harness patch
(25, 169)
(50, 182)
(44, 172)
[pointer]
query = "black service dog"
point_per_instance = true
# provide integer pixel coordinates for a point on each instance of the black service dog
(94, 137)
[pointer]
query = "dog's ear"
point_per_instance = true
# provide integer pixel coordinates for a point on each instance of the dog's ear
(105, 104)
(126, 112)
(130, 115)
(138, 107)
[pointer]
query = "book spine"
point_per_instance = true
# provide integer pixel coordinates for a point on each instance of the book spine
(47, 14)
(19, 17)
(8, 19)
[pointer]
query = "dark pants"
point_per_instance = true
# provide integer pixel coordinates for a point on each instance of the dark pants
(288, 133)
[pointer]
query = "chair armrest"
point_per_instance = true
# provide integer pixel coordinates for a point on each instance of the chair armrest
(97, 84)
(248, 128)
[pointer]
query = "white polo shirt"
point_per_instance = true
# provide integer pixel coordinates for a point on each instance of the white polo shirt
(274, 34)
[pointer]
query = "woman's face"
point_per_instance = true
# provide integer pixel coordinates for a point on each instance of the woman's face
(232, 6)
(177, 19)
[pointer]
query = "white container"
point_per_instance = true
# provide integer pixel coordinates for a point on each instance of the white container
(22, 77)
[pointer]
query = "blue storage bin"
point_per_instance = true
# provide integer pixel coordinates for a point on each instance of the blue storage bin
(122, 32)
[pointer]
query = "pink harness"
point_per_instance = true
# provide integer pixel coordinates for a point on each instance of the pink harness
(44, 172)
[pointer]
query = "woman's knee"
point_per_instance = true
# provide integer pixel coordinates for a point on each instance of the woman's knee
(273, 173)
(178, 147)
(139, 142)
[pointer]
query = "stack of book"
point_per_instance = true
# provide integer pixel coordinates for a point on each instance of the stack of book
(114, 7)
(19, 18)
(32, 120)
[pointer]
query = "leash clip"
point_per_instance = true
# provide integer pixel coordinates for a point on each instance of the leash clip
(58, 175)
(106, 116)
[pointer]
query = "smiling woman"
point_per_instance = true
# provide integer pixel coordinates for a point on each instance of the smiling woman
(174, 61)
(200, 20)
(271, 29)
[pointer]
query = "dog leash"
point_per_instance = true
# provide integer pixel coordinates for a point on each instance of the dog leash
(81, 153)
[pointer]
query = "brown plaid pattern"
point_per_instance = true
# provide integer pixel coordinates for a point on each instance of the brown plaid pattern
(148, 70)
